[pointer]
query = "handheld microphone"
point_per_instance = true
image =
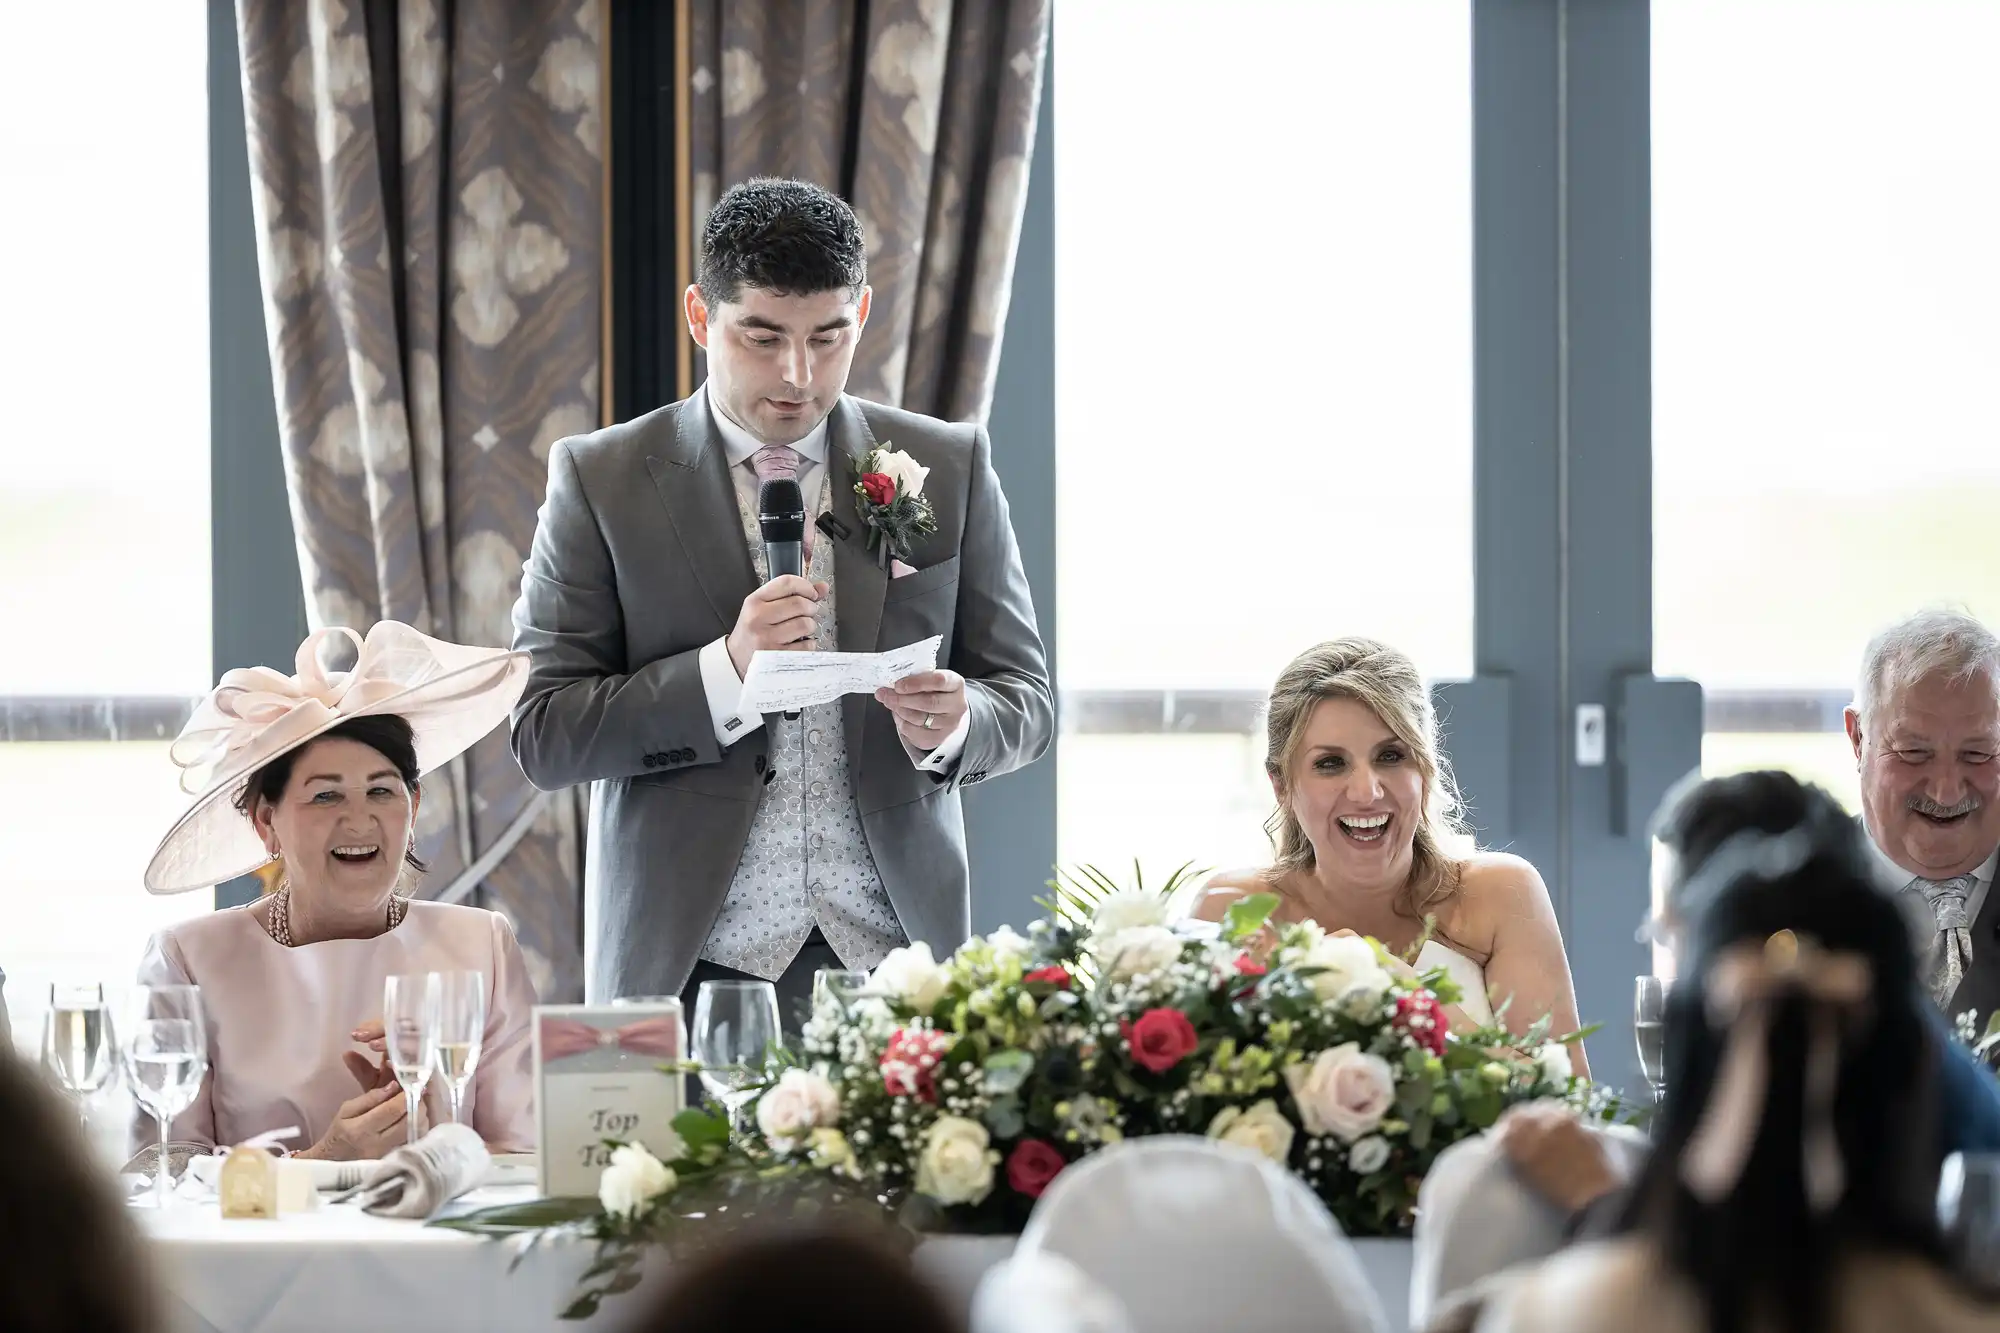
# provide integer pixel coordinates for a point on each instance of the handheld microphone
(781, 522)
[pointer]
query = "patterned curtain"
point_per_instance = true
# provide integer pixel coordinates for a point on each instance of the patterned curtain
(427, 180)
(921, 113)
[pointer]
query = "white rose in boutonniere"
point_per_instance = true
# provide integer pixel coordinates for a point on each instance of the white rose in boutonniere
(633, 1180)
(912, 975)
(799, 1102)
(957, 1162)
(905, 471)
(1262, 1127)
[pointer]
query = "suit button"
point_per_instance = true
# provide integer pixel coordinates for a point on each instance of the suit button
(758, 763)
(652, 761)
(677, 756)
(817, 842)
(818, 790)
(813, 736)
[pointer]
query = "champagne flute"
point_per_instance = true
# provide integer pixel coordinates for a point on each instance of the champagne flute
(78, 1047)
(410, 1029)
(461, 1028)
(735, 1025)
(1649, 1028)
(165, 1053)
(1969, 1214)
(837, 986)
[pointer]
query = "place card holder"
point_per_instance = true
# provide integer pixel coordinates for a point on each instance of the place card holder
(598, 1076)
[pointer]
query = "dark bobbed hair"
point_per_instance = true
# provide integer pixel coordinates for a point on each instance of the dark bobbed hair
(386, 733)
(1761, 1250)
(829, 1278)
(72, 1258)
(785, 236)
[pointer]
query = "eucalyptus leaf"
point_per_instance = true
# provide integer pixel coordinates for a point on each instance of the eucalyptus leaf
(1006, 1071)
(701, 1129)
(1246, 916)
(1004, 1118)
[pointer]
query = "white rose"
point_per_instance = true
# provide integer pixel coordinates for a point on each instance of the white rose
(902, 469)
(1262, 1127)
(957, 1164)
(1138, 949)
(1368, 1156)
(1354, 976)
(912, 976)
(1008, 947)
(800, 1102)
(633, 1180)
(1342, 1092)
(1127, 909)
(1555, 1063)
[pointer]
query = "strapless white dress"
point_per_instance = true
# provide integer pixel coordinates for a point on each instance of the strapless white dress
(1470, 976)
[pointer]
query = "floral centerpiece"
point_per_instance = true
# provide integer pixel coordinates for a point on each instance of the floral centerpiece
(953, 1092)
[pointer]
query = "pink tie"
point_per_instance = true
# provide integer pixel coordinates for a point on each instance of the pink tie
(781, 462)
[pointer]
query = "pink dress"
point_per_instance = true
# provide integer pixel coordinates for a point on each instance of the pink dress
(279, 1019)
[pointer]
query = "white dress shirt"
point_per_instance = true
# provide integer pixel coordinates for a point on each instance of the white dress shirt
(1902, 879)
(718, 674)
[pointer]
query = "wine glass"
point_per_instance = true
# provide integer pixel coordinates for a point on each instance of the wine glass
(1649, 1028)
(165, 1053)
(461, 1027)
(78, 1046)
(410, 1029)
(1969, 1213)
(735, 1025)
(837, 986)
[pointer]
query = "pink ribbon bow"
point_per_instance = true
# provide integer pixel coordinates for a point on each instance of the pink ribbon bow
(562, 1038)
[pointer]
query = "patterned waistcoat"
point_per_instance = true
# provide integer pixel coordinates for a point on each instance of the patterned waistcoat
(806, 862)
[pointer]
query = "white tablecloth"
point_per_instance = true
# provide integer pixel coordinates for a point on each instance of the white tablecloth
(341, 1268)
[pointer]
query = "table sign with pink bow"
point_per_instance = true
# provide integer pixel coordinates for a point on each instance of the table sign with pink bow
(603, 1072)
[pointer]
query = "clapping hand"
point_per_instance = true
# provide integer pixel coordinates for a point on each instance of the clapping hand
(379, 1073)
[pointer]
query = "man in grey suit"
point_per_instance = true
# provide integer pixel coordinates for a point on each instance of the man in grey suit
(726, 844)
(1925, 727)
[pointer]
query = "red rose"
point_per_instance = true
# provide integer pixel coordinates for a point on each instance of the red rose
(1161, 1039)
(1249, 966)
(1054, 976)
(1031, 1166)
(1421, 1018)
(909, 1064)
(880, 487)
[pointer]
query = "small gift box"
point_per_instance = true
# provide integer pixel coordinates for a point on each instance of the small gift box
(256, 1182)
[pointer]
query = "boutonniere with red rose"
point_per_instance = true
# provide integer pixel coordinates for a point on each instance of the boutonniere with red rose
(889, 497)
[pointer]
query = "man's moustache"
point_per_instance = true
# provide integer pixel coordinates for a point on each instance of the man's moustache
(1923, 805)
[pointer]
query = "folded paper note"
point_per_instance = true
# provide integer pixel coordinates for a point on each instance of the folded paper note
(786, 682)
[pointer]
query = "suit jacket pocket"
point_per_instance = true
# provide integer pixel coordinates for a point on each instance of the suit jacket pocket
(943, 574)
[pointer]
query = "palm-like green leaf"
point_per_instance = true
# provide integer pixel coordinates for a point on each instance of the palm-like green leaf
(1077, 892)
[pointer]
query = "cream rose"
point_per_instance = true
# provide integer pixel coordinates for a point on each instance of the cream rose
(1343, 1092)
(912, 975)
(1010, 949)
(957, 1162)
(1262, 1127)
(633, 1180)
(832, 1152)
(800, 1102)
(1127, 909)
(1353, 975)
(1138, 949)
(1555, 1062)
(1368, 1156)
(902, 469)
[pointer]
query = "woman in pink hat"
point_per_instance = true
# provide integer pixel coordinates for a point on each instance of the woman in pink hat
(320, 771)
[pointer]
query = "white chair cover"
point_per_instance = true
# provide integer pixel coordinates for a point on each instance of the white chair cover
(1193, 1236)
(1475, 1217)
(1045, 1293)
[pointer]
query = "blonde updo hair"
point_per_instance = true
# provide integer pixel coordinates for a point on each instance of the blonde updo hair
(1387, 683)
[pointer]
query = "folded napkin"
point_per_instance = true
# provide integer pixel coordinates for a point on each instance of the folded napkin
(417, 1180)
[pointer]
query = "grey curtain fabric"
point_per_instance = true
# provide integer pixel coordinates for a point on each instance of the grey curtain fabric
(427, 180)
(922, 114)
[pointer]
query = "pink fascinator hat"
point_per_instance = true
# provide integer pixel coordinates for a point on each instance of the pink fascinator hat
(451, 696)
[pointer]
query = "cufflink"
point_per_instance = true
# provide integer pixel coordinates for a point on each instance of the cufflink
(732, 724)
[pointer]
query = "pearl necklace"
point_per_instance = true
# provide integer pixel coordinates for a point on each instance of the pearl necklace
(281, 914)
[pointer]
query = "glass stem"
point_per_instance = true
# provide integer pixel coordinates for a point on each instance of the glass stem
(162, 1181)
(411, 1099)
(457, 1103)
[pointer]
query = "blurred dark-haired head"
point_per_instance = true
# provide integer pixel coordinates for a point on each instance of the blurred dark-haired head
(827, 1279)
(71, 1261)
(1807, 895)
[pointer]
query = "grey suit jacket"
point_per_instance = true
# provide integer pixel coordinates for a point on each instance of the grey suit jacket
(639, 560)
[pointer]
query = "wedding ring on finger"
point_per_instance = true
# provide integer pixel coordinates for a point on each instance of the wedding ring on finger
(930, 721)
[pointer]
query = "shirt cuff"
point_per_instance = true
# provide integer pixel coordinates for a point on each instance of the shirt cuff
(945, 757)
(725, 691)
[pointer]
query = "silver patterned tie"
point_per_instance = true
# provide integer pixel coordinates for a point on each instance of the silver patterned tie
(1950, 952)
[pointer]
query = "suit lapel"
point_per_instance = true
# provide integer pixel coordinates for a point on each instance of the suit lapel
(691, 474)
(861, 582)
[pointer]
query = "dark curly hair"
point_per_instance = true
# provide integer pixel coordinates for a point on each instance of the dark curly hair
(385, 733)
(784, 236)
